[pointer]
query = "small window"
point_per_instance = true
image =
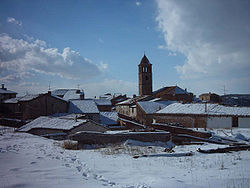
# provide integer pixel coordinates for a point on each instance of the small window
(146, 78)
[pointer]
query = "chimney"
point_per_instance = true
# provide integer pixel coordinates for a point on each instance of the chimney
(3, 87)
(134, 96)
(78, 91)
(82, 96)
(49, 93)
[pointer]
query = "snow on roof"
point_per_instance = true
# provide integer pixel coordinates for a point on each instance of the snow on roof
(105, 102)
(73, 94)
(86, 106)
(27, 97)
(151, 107)
(199, 108)
(109, 118)
(134, 100)
(59, 91)
(172, 90)
(51, 123)
(3, 91)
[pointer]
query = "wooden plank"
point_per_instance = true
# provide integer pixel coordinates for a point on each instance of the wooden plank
(225, 150)
(180, 130)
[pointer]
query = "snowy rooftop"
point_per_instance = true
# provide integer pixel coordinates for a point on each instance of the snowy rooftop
(151, 107)
(73, 94)
(51, 123)
(199, 108)
(83, 106)
(59, 92)
(105, 102)
(27, 97)
(108, 118)
(172, 90)
(134, 100)
(3, 91)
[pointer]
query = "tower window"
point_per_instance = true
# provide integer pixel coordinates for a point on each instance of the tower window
(146, 78)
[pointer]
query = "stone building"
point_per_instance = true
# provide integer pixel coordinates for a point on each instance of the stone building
(33, 106)
(6, 94)
(210, 97)
(200, 115)
(145, 76)
(174, 93)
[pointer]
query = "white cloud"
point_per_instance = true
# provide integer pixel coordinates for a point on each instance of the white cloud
(138, 3)
(162, 47)
(21, 60)
(14, 21)
(213, 35)
(103, 66)
(172, 54)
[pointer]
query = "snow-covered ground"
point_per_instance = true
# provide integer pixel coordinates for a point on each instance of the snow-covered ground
(31, 161)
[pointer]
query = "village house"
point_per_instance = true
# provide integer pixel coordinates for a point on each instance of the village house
(6, 94)
(33, 106)
(210, 97)
(85, 107)
(145, 110)
(204, 115)
(174, 93)
(128, 107)
(44, 126)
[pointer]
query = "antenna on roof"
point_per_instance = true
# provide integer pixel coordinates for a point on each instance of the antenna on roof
(144, 52)
(224, 89)
(78, 86)
(49, 85)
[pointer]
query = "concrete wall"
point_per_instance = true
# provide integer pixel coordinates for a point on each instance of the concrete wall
(219, 122)
(244, 122)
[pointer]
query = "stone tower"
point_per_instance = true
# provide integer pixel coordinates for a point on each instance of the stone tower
(145, 76)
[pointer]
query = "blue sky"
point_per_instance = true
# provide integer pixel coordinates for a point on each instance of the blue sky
(98, 45)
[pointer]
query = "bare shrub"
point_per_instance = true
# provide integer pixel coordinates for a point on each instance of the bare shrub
(69, 144)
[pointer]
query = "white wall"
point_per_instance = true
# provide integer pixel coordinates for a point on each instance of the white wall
(244, 122)
(219, 122)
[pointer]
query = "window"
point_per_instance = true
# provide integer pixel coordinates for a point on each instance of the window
(146, 78)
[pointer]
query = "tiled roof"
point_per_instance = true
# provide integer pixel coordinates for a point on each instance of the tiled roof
(83, 106)
(51, 123)
(202, 109)
(3, 91)
(109, 118)
(105, 102)
(172, 90)
(150, 107)
(72, 94)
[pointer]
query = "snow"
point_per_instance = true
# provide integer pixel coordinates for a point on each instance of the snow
(198, 108)
(109, 118)
(31, 161)
(105, 102)
(51, 123)
(3, 91)
(23, 98)
(72, 94)
(83, 106)
(151, 107)
(59, 92)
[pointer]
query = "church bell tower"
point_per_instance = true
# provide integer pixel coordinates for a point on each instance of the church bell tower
(145, 76)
